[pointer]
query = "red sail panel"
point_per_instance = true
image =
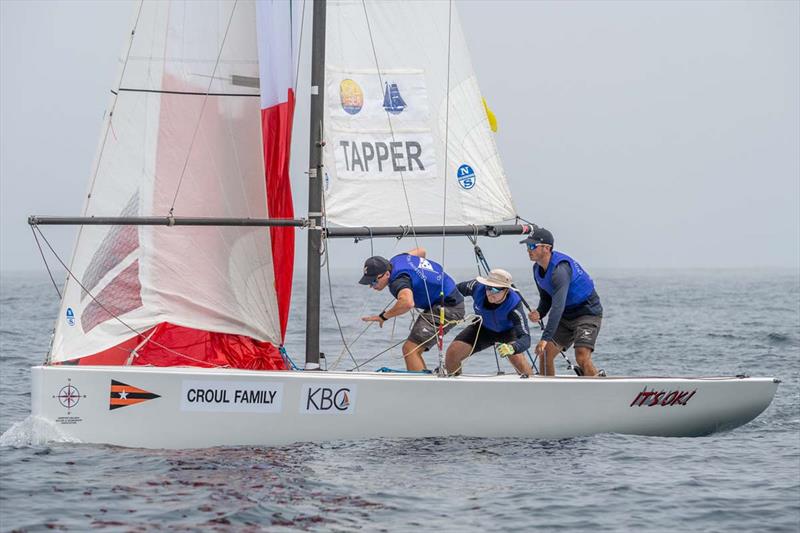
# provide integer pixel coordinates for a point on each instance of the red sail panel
(171, 345)
(276, 123)
(121, 295)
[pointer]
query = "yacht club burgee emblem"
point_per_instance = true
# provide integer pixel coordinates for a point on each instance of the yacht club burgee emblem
(123, 395)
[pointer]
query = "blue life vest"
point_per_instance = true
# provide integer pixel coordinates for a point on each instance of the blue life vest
(581, 285)
(428, 279)
(494, 319)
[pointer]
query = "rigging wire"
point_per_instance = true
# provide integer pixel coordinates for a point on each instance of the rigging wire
(391, 130)
(109, 126)
(113, 315)
(324, 242)
(47, 266)
(440, 339)
(202, 109)
(299, 47)
(364, 305)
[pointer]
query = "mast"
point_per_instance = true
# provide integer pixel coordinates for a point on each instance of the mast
(313, 264)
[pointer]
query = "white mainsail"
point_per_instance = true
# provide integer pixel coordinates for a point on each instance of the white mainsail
(171, 148)
(391, 144)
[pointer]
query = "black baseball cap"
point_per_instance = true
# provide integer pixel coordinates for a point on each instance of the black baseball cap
(374, 267)
(539, 236)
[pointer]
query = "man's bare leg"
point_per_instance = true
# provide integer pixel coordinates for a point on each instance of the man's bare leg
(520, 364)
(412, 352)
(583, 357)
(549, 357)
(456, 353)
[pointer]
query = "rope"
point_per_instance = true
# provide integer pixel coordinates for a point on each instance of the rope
(202, 109)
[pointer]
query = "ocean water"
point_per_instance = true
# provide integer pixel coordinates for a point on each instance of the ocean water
(656, 322)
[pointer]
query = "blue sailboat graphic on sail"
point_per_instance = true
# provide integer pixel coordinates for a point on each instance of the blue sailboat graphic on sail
(392, 101)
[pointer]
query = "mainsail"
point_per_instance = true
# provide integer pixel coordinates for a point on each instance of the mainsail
(392, 146)
(184, 137)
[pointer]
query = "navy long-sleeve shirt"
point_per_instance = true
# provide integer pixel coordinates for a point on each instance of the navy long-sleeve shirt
(516, 316)
(556, 304)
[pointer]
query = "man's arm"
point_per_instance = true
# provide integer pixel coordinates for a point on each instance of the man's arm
(560, 281)
(419, 252)
(400, 289)
(466, 287)
(405, 302)
(523, 334)
(544, 303)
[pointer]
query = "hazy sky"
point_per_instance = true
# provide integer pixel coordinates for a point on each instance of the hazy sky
(643, 134)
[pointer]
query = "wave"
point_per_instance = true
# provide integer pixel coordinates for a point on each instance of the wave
(33, 431)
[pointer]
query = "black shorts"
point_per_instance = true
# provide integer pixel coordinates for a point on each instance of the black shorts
(486, 337)
(582, 331)
(426, 327)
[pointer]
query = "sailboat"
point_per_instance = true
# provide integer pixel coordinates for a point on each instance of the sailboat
(171, 325)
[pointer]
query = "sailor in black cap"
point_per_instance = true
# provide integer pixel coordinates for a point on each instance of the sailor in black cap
(567, 292)
(416, 282)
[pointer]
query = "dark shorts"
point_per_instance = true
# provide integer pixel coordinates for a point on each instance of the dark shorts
(425, 328)
(486, 337)
(581, 331)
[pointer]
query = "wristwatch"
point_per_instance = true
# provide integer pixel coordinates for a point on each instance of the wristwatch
(382, 316)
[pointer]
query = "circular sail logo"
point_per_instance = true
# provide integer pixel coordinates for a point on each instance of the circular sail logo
(466, 177)
(351, 96)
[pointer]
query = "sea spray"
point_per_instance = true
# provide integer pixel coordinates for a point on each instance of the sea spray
(33, 431)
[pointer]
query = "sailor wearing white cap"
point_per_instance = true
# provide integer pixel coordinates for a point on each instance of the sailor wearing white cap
(502, 321)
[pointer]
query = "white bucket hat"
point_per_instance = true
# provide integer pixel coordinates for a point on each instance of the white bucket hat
(497, 278)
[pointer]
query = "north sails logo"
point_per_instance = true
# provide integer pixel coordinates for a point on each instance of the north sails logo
(123, 395)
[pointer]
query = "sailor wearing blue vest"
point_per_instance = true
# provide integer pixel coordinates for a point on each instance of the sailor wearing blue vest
(502, 321)
(567, 292)
(416, 282)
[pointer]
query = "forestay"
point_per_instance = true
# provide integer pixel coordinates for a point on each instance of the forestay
(183, 137)
(386, 120)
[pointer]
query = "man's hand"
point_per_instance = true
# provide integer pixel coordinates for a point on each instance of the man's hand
(505, 350)
(540, 347)
(373, 318)
(533, 316)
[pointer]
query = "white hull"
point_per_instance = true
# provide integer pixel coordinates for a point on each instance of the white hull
(272, 408)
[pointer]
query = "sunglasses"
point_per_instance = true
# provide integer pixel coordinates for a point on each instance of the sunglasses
(532, 245)
(495, 290)
(374, 282)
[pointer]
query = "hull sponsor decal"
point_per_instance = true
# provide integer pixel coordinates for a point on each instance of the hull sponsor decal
(662, 398)
(328, 399)
(232, 397)
(123, 395)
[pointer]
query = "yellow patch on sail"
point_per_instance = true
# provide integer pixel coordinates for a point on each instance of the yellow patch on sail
(490, 116)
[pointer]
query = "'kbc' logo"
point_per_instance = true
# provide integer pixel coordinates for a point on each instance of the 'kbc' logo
(328, 399)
